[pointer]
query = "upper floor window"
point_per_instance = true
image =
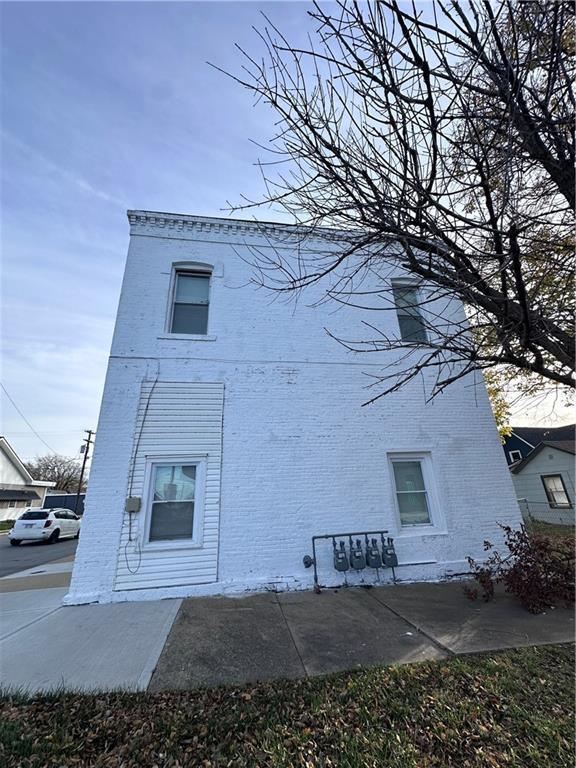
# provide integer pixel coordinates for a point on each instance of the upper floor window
(410, 320)
(556, 491)
(515, 456)
(191, 299)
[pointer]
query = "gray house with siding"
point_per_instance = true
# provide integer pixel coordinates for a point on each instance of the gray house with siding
(545, 482)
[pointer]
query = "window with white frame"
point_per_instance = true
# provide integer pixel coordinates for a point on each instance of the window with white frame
(191, 301)
(410, 486)
(174, 501)
(410, 320)
(556, 491)
(515, 455)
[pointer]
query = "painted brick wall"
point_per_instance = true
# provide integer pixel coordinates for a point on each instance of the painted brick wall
(300, 454)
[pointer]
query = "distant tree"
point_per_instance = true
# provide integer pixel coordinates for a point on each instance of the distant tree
(440, 138)
(500, 404)
(62, 470)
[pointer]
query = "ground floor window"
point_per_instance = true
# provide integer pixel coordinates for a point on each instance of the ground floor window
(173, 501)
(556, 491)
(412, 486)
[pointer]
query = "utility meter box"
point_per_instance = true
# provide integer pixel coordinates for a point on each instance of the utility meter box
(132, 504)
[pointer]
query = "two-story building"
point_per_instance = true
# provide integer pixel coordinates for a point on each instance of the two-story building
(232, 430)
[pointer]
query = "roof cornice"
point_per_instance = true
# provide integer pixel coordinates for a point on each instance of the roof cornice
(177, 223)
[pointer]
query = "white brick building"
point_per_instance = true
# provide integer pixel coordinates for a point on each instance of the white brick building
(237, 425)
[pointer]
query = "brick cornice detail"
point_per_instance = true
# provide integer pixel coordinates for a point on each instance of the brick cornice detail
(176, 222)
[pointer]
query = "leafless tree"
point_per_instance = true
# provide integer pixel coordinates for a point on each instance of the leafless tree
(438, 140)
(62, 470)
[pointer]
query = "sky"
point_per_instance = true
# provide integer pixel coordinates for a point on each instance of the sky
(109, 106)
(105, 107)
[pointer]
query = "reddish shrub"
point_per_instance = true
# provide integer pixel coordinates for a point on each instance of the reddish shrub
(537, 569)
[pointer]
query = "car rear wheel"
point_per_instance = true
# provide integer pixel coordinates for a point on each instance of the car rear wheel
(54, 537)
(15, 542)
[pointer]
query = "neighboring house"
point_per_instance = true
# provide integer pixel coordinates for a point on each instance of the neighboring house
(232, 430)
(523, 440)
(18, 489)
(545, 482)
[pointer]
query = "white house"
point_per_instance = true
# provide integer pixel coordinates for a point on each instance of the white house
(18, 489)
(232, 430)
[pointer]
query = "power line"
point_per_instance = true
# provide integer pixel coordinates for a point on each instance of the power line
(49, 432)
(26, 420)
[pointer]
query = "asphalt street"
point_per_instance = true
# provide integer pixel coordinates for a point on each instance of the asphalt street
(32, 553)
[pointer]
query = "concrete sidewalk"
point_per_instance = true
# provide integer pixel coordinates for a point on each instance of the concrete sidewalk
(175, 644)
(45, 646)
(299, 634)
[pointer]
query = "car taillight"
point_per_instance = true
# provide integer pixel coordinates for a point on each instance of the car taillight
(48, 523)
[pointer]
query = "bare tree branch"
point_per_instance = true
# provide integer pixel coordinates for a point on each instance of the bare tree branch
(62, 470)
(438, 144)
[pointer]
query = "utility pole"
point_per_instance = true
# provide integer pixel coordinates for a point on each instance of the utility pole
(85, 449)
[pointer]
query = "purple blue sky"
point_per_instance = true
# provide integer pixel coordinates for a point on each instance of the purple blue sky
(108, 106)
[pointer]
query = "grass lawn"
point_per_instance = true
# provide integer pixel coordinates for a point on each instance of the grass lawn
(503, 709)
(6, 525)
(550, 529)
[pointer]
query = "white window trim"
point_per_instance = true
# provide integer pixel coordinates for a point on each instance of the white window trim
(197, 540)
(437, 524)
(180, 267)
(512, 459)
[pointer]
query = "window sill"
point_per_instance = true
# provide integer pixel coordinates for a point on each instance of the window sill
(420, 531)
(186, 337)
(170, 546)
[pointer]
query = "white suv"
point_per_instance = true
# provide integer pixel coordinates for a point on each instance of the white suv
(45, 525)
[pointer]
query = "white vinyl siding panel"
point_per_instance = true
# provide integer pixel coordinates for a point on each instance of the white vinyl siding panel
(175, 419)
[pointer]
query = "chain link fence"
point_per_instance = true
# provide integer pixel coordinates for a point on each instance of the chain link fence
(538, 516)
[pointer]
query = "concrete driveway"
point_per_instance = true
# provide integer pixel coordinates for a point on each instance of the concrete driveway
(299, 634)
